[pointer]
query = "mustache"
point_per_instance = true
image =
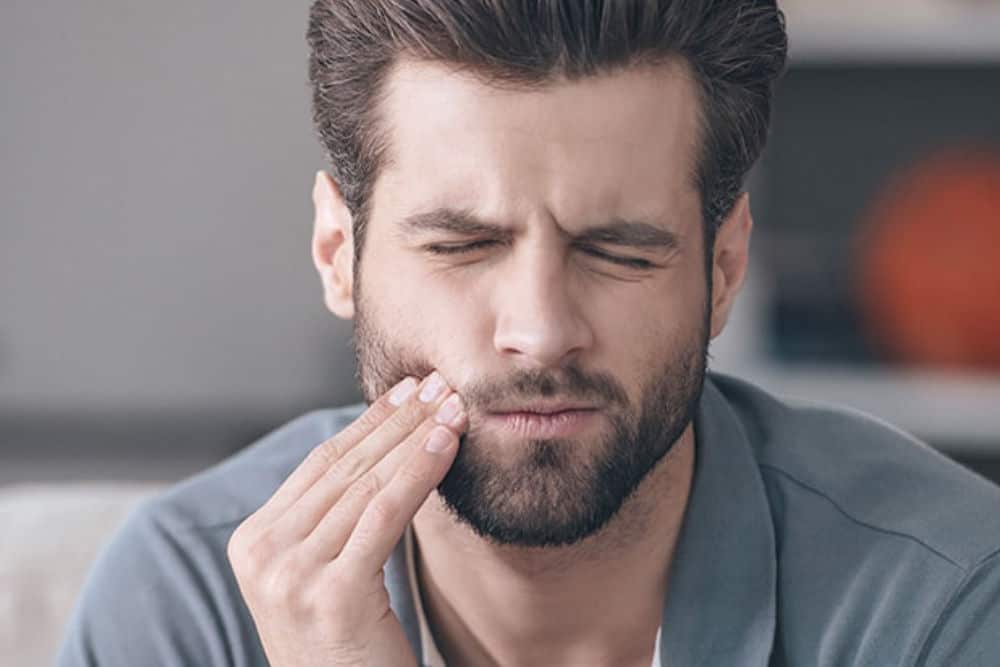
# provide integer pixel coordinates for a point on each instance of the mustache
(385, 363)
(526, 384)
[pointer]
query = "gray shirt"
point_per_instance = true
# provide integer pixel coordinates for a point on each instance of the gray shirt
(812, 536)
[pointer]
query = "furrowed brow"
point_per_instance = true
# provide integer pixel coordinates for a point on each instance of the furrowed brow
(633, 234)
(451, 221)
(628, 233)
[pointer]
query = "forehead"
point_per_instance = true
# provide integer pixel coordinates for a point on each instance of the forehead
(610, 144)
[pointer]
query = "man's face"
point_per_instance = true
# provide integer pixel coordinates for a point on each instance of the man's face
(543, 251)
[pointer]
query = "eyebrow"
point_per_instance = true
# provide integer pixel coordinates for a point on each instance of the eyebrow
(618, 231)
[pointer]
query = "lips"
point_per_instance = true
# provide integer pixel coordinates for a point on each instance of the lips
(544, 421)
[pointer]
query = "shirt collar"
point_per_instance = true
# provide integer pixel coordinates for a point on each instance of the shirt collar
(721, 602)
(431, 655)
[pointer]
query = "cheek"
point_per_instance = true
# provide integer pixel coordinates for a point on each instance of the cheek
(655, 313)
(648, 330)
(441, 320)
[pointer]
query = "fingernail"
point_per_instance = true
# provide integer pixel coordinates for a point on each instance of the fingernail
(402, 391)
(449, 410)
(432, 388)
(438, 440)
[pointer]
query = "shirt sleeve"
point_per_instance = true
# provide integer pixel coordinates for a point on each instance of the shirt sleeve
(968, 632)
(158, 594)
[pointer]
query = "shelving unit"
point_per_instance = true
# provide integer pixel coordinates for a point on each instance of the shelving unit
(915, 31)
(955, 412)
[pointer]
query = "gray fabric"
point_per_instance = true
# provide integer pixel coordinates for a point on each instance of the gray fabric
(813, 536)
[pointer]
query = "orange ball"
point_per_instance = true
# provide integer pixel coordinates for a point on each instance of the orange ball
(929, 262)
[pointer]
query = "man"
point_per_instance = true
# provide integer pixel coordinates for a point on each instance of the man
(535, 219)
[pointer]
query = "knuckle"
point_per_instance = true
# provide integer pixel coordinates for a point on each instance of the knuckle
(238, 548)
(255, 555)
(285, 585)
(411, 476)
(365, 488)
(234, 547)
(251, 524)
(371, 418)
(277, 593)
(349, 468)
(329, 451)
(409, 415)
(384, 512)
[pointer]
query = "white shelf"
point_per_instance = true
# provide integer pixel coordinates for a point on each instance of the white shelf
(948, 410)
(951, 410)
(893, 33)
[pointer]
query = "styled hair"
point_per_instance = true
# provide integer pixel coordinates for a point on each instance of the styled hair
(735, 48)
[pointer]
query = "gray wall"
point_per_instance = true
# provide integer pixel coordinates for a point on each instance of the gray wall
(158, 307)
(156, 160)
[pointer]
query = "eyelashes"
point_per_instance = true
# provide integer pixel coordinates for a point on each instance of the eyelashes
(464, 248)
(632, 262)
(459, 248)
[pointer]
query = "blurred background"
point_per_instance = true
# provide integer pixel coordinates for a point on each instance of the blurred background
(159, 309)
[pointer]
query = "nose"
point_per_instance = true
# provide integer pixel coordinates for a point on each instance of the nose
(539, 322)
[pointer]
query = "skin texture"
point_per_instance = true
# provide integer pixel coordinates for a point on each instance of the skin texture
(537, 309)
(309, 561)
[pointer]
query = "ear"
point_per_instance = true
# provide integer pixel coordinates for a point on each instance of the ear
(333, 246)
(729, 261)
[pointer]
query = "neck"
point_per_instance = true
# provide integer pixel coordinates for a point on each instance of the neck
(595, 602)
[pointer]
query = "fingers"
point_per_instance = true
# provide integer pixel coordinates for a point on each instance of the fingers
(383, 521)
(302, 517)
(321, 457)
(356, 491)
(333, 531)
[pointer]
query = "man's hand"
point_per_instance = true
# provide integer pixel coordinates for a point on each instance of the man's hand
(309, 561)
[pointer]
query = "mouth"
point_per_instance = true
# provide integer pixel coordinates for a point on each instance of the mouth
(544, 421)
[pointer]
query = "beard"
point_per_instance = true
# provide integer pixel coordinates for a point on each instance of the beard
(556, 492)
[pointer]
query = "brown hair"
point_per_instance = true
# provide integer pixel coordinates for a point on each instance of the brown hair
(735, 48)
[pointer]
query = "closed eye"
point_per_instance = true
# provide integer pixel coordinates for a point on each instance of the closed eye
(632, 262)
(460, 248)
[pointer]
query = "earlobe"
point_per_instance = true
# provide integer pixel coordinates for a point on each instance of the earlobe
(333, 246)
(730, 259)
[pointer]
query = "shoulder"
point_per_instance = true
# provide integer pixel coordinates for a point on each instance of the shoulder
(232, 489)
(886, 549)
(161, 591)
(968, 631)
(873, 474)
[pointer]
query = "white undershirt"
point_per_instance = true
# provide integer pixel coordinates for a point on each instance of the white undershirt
(432, 657)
